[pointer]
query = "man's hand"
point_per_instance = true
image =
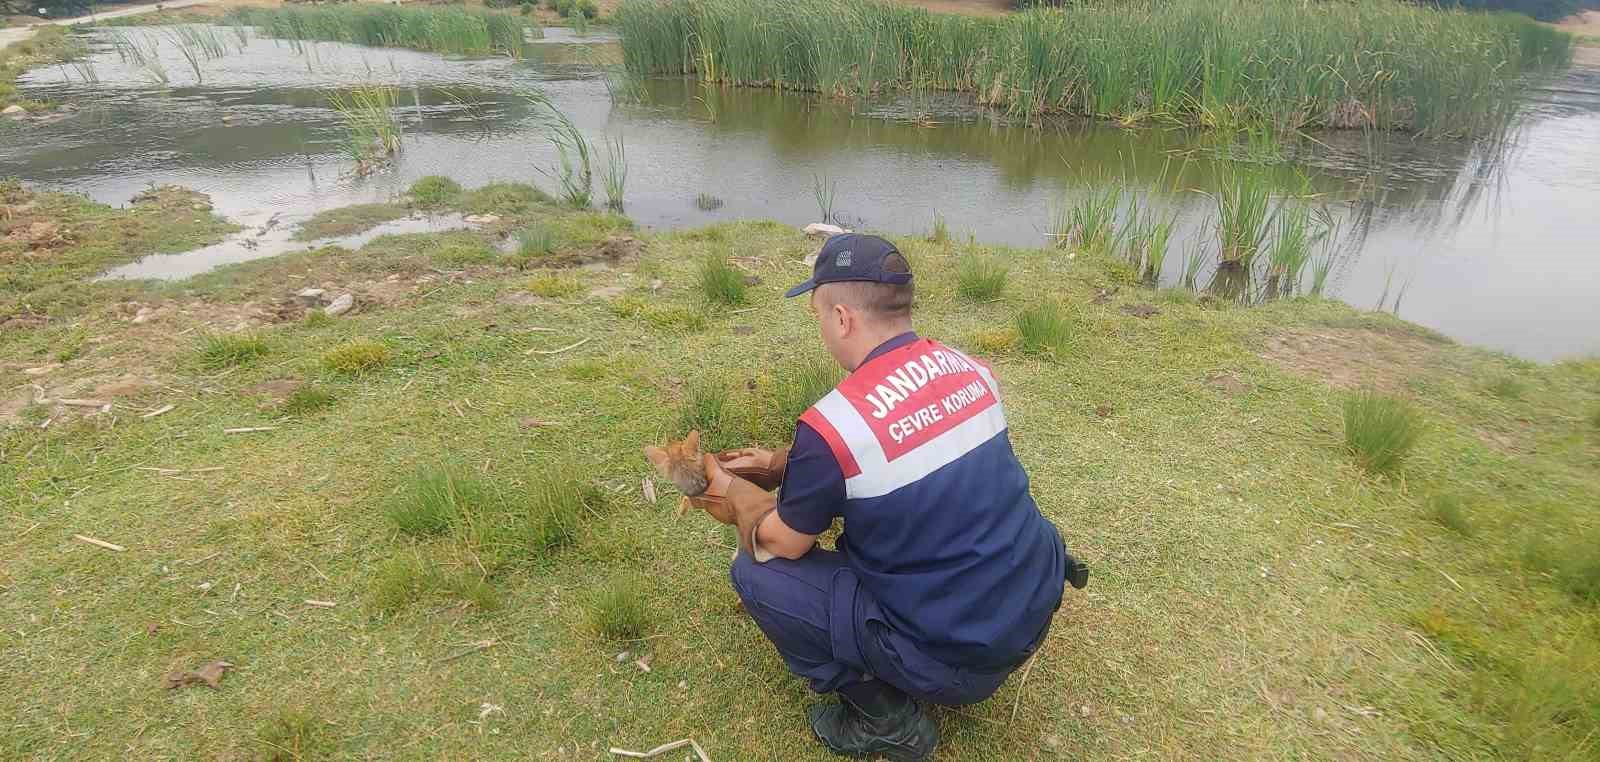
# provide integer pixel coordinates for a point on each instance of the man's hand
(763, 468)
(732, 500)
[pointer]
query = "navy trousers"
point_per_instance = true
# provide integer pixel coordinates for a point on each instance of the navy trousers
(831, 632)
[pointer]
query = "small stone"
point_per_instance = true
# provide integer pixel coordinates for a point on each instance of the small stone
(1085, 710)
(310, 297)
(656, 284)
(622, 657)
(482, 219)
(823, 229)
(683, 684)
(1320, 714)
(144, 315)
(14, 111)
(340, 305)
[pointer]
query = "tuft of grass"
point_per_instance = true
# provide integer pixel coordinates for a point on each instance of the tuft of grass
(1449, 511)
(799, 384)
(706, 202)
(373, 133)
(554, 286)
(504, 199)
(434, 499)
(316, 318)
(1594, 419)
(1044, 329)
(705, 407)
(291, 735)
(824, 191)
(434, 191)
(1506, 387)
(1572, 562)
(464, 254)
(307, 400)
(981, 278)
(536, 241)
(230, 350)
(618, 612)
(616, 176)
(666, 316)
(357, 357)
(995, 341)
(720, 282)
(399, 581)
(1380, 430)
(941, 232)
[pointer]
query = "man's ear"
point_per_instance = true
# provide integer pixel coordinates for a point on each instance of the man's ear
(845, 317)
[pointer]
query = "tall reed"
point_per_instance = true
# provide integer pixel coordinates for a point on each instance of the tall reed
(369, 119)
(1226, 63)
(439, 29)
(616, 176)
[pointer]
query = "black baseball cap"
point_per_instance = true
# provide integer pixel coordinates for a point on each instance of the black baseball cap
(853, 257)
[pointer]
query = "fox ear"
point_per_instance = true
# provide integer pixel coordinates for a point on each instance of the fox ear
(692, 442)
(656, 456)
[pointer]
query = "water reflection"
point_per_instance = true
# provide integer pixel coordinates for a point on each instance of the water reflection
(1487, 241)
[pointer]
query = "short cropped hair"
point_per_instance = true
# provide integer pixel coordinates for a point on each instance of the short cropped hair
(881, 300)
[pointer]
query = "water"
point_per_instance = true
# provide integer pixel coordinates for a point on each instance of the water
(1493, 247)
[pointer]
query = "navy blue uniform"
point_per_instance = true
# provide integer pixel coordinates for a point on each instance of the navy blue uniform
(947, 574)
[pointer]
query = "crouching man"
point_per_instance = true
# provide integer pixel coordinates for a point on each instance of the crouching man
(947, 575)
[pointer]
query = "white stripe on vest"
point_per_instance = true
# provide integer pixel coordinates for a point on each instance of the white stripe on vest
(878, 475)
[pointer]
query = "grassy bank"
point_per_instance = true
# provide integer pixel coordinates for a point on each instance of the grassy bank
(48, 45)
(1219, 63)
(452, 473)
(441, 29)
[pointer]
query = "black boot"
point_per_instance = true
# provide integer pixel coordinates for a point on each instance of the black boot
(876, 719)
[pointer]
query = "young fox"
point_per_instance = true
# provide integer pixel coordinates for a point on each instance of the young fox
(683, 463)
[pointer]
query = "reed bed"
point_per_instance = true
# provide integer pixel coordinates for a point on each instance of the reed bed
(1231, 64)
(437, 29)
(369, 117)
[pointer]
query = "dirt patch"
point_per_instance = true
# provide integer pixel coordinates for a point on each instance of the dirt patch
(613, 250)
(277, 390)
(1349, 358)
(1228, 384)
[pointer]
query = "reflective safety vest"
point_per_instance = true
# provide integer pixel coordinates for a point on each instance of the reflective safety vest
(939, 524)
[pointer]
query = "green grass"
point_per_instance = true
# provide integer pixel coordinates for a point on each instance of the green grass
(434, 501)
(307, 400)
(1193, 502)
(434, 191)
(798, 385)
(357, 357)
(1230, 64)
(536, 241)
(618, 611)
(230, 350)
(347, 221)
(1450, 511)
(706, 202)
(48, 45)
(616, 176)
(1380, 430)
(1045, 328)
(1506, 387)
(721, 283)
(981, 278)
(291, 735)
(554, 285)
(457, 29)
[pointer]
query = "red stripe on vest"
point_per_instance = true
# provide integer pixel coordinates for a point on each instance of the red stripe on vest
(910, 395)
(841, 451)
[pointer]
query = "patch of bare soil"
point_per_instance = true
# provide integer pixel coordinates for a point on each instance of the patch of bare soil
(614, 249)
(1349, 358)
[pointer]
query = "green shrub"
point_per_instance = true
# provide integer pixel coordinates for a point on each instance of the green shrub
(1450, 512)
(720, 282)
(306, 400)
(981, 278)
(434, 191)
(1380, 430)
(1044, 329)
(356, 357)
(619, 612)
(230, 350)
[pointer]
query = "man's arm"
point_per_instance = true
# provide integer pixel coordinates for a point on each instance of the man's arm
(781, 540)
